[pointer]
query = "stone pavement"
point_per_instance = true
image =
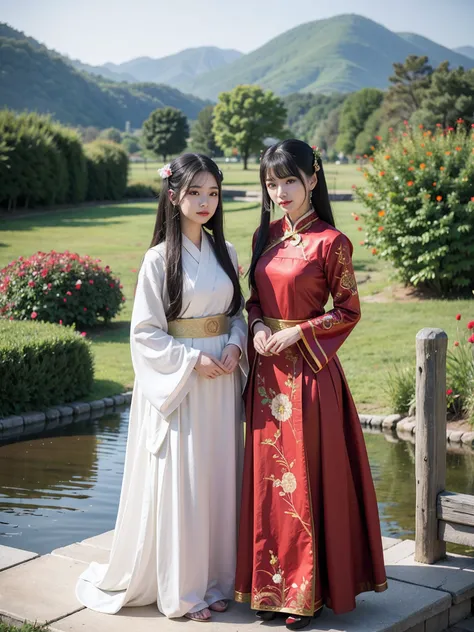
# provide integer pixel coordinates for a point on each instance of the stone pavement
(420, 598)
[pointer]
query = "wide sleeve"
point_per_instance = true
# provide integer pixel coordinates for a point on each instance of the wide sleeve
(252, 306)
(322, 337)
(238, 327)
(163, 366)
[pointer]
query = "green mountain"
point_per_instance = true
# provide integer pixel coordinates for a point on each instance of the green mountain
(35, 78)
(467, 51)
(435, 52)
(101, 71)
(177, 70)
(340, 54)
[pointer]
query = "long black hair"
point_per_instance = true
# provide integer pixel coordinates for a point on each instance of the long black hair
(286, 159)
(168, 229)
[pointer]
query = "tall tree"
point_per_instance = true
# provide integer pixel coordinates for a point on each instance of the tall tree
(202, 135)
(165, 132)
(409, 83)
(449, 98)
(246, 115)
(355, 111)
(327, 132)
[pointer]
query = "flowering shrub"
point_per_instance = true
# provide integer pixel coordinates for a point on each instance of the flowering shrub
(42, 365)
(419, 200)
(59, 287)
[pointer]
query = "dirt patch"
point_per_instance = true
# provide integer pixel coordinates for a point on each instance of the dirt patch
(395, 293)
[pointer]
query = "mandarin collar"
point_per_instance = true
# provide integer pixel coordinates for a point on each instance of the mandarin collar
(299, 222)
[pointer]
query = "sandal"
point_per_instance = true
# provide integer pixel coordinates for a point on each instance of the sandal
(199, 615)
(219, 606)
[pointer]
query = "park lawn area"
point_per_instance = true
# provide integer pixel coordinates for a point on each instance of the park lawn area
(338, 177)
(120, 234)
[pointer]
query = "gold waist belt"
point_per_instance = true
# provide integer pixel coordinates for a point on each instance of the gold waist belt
(199, 327)
(276, 324)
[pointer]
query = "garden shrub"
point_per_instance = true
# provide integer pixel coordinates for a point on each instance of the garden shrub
(419, 200)
(42, 365)
(107, 170)
(59, 287)
(141, 190)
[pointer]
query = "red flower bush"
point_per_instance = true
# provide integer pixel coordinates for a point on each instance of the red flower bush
(59, 287)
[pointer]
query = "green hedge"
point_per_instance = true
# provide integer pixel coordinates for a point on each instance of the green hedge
(44, 163)
(42, 365)
(142, 190)
(107, 169)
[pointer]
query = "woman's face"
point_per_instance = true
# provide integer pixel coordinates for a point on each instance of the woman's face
(289, 193)
(199, 203)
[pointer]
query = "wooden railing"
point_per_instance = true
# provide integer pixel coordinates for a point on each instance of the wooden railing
(441, 516)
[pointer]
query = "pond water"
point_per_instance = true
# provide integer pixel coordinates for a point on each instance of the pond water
(63, 486)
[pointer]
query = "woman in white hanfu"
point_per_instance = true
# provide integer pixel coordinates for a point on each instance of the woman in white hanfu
(176, 530)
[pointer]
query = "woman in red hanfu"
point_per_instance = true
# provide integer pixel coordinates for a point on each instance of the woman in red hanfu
(309, 526)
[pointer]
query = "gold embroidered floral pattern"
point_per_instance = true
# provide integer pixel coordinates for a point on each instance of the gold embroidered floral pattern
(348, 280)
(278, 595)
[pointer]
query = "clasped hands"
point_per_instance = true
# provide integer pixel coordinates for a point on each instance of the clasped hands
(211, 367)
(268, 344)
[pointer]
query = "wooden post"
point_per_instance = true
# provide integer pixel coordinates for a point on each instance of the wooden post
(430, 462)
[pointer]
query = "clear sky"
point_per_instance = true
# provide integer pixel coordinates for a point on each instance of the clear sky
(97, 31)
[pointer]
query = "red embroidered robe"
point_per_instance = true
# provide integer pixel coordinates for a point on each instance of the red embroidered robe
(309, 527)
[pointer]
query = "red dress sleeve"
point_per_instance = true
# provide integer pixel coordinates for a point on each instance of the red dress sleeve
(321, 337)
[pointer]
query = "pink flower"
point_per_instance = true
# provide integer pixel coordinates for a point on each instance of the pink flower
(69, 293)
(458, 316)
(85, 309)
(65, 300)
(456, 343)
(471, 339)
(31, 283)
(44, 273)
(470, 324)
(78, 286)
(83, 334)
(34, 315)
(449, 391)
(60, 322)
(91, 282)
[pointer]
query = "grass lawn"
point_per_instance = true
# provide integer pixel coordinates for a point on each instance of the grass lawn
(120, 234)
(338, 177)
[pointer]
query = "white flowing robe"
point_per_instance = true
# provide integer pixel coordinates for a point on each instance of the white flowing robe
(176, 530)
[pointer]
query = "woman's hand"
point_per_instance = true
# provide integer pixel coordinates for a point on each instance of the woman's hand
(230, 357)
(208, 366)
(281, 340)
(261, 334)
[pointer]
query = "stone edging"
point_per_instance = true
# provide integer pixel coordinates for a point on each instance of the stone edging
(405, 428)
(75, 411)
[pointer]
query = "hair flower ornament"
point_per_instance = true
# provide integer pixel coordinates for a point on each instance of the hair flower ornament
(165, 172)
(317, 156)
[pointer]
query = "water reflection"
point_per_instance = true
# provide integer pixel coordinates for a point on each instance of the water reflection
(63, 485)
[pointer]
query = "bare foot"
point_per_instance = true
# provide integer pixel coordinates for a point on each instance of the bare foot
(199, 615)
(219, 606)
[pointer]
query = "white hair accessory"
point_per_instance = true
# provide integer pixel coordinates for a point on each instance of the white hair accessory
(165, 172)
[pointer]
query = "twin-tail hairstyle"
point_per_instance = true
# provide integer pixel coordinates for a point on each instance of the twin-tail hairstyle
(168, 228)
(286, 159)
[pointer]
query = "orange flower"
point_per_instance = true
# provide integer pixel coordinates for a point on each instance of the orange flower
(381, 173)
(371, 159)
(374, 251)
(370, 195)
(362, 243)
(422, 145)
(411, 168)
(387, 157)
(380, 229)
(359, 228)
(410, 183)
(422, 166)
(458, 148)
(372, 148)
(439, 198)
(420, 126)
(442, 168)
(448, 153)
(366, 175)
(434, 184)
(472, 199)
(411, 162)
(381, 213)
(429, 153)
